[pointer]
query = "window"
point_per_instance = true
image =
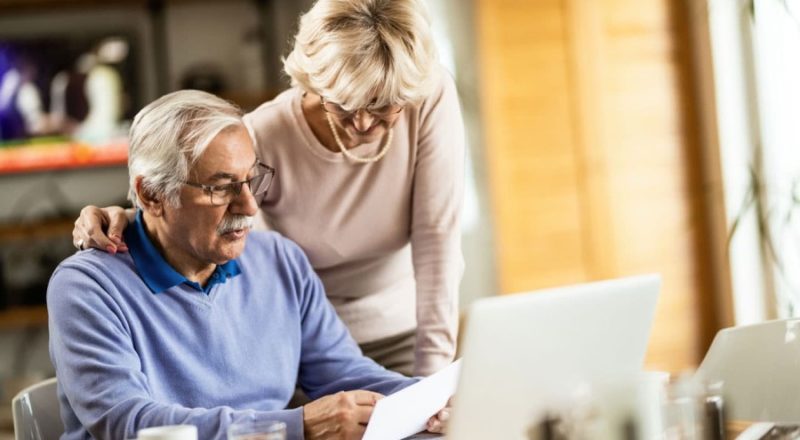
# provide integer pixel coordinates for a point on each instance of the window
(756, 51)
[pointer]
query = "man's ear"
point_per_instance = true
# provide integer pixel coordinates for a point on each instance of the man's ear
(151, 203)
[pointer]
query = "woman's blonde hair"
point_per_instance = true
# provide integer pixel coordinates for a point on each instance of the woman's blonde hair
(365, 52)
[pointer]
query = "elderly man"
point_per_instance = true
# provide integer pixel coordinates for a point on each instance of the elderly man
(195, 325)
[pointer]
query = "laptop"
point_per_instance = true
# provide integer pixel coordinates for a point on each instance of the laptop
(523, 352)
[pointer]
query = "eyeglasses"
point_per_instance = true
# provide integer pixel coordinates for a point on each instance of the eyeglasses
(224, 194)
(382, 112)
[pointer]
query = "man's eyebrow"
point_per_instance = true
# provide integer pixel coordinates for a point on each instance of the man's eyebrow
(221, 175)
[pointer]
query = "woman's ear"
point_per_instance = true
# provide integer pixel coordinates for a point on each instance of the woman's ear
(151, 203)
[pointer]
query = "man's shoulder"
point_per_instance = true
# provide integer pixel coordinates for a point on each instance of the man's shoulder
(92, 271)
(96, 261)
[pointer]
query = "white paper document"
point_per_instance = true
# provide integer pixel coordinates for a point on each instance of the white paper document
(407, 411)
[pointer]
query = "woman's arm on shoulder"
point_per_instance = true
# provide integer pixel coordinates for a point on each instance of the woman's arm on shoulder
(101, 228)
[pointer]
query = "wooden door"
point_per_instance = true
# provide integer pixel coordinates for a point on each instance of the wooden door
(594, 158)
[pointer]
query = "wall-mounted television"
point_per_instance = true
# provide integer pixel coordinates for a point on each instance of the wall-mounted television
(75, 86)
(70, 82)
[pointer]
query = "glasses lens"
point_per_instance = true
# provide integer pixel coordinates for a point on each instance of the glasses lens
(336, 109)
(385, 111)
(259, 184)
(221, 195)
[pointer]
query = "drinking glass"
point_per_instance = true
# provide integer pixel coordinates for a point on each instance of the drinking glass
(250, 429)
(170, 432)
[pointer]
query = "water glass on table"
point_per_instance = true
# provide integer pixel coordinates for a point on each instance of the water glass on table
(170, 432)
(257, 430)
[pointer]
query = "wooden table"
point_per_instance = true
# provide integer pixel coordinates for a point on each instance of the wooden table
(735, 427)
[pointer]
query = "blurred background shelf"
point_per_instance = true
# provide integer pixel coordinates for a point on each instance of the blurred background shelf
(33, 5)
(60, 155)
(40, 229)
(23, 317)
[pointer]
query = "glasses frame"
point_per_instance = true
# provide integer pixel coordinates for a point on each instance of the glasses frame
(343, 114)
(235, 188)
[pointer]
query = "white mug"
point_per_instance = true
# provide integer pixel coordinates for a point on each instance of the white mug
(171, 432)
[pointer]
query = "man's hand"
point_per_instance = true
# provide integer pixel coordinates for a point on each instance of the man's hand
(101, 228)
(438, 422)
(340, 416)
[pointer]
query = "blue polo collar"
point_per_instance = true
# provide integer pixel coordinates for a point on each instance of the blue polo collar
(154, 269)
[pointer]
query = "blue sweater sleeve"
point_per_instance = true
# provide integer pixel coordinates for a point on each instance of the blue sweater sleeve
(330, 359)
(100, 374)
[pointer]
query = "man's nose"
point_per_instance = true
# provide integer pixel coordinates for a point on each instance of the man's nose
(245, 202)
(363, 120)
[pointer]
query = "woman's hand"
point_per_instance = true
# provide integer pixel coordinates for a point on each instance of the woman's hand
(438, 422)
(101, 228)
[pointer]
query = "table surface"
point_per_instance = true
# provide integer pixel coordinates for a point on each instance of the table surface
(734, 428)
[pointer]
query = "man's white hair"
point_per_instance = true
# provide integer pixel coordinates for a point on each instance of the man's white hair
(354, 52)
(169, 135)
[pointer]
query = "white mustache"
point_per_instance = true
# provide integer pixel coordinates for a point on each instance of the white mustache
(235, 222)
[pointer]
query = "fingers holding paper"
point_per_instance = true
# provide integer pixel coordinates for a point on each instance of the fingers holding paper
(340, 416)
(438, 422)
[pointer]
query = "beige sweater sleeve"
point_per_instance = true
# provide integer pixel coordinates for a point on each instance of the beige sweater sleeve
(435, 227)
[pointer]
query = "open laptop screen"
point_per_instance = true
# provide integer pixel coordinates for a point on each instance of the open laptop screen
(523, 351)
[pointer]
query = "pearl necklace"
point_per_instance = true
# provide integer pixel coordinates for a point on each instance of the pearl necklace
(353, 157)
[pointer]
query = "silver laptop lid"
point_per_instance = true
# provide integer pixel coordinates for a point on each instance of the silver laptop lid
(521, 351)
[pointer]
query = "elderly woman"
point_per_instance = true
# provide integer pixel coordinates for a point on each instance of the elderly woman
(368, 145)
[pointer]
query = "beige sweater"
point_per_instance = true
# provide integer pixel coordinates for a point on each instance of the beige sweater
(384, 237)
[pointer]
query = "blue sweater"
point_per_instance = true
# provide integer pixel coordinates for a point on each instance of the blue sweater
(128, 357)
